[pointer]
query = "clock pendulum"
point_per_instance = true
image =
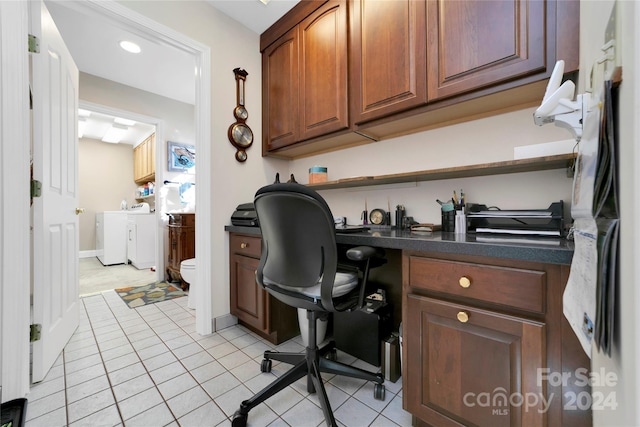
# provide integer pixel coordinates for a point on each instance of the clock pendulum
(240, 134)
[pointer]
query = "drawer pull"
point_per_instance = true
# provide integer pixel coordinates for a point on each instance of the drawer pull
(463, 317)
(465, 282)
(244, 245)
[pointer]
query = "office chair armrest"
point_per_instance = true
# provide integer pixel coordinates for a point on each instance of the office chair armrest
(361, 253)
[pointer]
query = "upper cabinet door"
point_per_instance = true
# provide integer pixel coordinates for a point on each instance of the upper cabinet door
(474, 44)
(280, 92)
(388, 64)
(323, 101)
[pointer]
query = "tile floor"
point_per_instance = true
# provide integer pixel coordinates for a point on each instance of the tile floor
(95, 277)
(148, 367)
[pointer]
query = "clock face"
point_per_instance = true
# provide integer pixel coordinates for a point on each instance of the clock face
(241, 113)
(377, 217)
(240, 135)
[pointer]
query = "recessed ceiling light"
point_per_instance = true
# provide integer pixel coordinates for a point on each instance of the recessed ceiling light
(130, 46)
(115, 133)
(125, 122)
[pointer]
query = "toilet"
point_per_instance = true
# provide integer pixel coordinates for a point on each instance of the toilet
(188, 273)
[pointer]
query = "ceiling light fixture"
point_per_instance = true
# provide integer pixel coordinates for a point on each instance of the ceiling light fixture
(82, 124)
(125, 122)
(265, 1)
(115, 133)
(130, 46)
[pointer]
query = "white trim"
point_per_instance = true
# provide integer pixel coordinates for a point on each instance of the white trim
(87, 254)
(14, 202)
(148, 28)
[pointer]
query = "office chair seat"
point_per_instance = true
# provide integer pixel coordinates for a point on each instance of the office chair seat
(299, 266)
(343, 284)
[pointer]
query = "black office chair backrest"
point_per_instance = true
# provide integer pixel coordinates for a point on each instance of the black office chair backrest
(298, 237)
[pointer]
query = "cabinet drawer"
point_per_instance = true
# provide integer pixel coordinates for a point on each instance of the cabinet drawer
(512, 287)
(245, 245)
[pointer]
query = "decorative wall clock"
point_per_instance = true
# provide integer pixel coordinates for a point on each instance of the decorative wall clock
(240, 134)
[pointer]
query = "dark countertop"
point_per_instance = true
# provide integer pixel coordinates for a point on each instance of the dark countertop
(547, 250)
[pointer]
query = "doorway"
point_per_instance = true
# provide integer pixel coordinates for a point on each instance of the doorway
(121, 16)
(115, 206)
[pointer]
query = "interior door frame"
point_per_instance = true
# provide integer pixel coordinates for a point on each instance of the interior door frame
(15, 270)
(132, 20)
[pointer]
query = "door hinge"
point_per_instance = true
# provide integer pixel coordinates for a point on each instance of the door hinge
(34, 44)
(36, 188)
(35, 331)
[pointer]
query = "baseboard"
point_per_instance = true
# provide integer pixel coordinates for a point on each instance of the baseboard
(87, 254)
(223, 322)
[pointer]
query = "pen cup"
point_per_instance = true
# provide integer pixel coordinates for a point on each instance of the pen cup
(448, 221)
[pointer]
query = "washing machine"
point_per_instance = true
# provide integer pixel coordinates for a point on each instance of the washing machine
(111, 237)
(141, 237)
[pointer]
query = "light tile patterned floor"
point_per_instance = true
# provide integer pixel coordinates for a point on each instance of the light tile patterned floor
(148, 367)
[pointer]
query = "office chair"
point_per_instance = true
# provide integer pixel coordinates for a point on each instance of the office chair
(300, 266)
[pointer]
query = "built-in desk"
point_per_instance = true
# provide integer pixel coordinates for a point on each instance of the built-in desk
(482, 327)
(552, 251)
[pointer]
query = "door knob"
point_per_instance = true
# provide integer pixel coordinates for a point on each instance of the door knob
(79, 211)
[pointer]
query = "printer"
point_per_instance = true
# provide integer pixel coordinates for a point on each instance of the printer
(245, 215)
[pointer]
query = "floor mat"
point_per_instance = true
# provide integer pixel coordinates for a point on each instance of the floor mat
(137, 296)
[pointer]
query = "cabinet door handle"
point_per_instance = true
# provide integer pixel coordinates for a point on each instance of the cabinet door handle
(244, 245)
(464, 281)
(463, 316)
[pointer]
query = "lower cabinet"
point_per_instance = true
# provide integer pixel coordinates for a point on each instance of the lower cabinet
(482, 337)
(252, 305)
(182, 243)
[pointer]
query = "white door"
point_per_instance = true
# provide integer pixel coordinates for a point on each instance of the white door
(55, 164)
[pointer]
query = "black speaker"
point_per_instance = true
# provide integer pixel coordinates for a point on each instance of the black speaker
(360, 332)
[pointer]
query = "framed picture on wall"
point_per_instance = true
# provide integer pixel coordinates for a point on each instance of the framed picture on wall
(182, 157)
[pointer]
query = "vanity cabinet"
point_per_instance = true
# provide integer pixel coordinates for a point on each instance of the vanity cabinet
(144, 161)
(304, 79)
(252, 305)
(479, 334)
(182, 243)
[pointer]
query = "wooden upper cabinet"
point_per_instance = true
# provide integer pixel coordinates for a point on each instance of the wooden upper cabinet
(388, 64)
(475, 44)
(305, 79)
(323, 100)
(280, 92)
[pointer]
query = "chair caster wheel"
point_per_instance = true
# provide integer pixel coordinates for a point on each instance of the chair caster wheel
(265, 366)
(378, 392)
(333, 355)
(239, 420)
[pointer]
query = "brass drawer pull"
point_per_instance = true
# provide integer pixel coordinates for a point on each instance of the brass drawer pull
(244, 245)
(463, 317)
(465, 282)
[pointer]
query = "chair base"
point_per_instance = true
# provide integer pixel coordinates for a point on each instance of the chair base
(310, 364)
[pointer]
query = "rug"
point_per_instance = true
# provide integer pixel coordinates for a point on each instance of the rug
(137, 296)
